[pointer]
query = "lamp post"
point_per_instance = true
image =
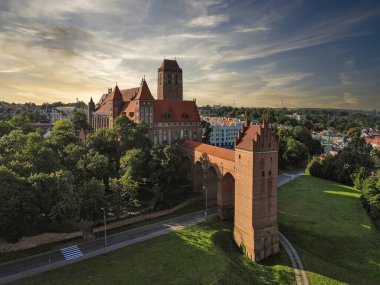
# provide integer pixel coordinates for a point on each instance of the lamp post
(205, 189)
(105, 229)
(290, 170)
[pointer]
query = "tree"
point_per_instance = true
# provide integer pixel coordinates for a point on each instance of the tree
(5, 128)
(131, 135)
(17, 209)
(70, 156)
(56, 198)
(105, 142)
(21, 123)
(135, 162)
(123, 194)
(79, 120)
(371, 197)
(168, 169)
(92, 165)
(206, 131)
(92, 199)
(359, 176)
(295, 151)
(63, 134)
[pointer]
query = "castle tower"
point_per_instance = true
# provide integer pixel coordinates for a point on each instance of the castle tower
(256, 156)
(90, 109)
(169, 85)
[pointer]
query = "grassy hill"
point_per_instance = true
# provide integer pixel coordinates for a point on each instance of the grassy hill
(331, 231)
(201, 254)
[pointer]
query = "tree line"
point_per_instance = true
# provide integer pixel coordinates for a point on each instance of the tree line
(60, 182)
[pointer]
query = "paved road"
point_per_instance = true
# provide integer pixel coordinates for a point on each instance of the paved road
(14, 270)
(299, 272)
(286, 177)
(33, 265)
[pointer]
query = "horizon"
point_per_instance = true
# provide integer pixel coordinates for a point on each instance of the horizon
(234, 53)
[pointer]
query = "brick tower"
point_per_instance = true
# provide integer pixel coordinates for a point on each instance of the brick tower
(256, 157)
(169, 85)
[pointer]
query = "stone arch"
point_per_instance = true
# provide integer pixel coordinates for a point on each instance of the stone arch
(198, 177)
(211, 183)
(228, 196)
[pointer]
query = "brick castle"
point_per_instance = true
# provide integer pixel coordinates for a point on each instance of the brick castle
(241, 182)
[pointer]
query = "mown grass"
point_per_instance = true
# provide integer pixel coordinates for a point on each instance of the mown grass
(331, 230)
(201, 254)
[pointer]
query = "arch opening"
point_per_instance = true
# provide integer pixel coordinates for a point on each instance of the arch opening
(228, 197)
(211, 184)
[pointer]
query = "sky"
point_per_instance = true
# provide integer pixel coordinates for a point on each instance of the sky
(240, 53)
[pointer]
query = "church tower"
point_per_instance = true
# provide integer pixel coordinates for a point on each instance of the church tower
(169, 85)
(91, 108)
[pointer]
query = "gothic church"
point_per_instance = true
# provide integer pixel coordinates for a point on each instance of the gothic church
(169, 118)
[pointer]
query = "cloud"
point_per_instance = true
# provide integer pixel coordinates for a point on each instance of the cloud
(251, 30)
(350, 99)
(230, 51)
(208, 21)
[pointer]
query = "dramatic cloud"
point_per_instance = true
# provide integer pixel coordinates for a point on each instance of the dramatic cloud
(232, 52)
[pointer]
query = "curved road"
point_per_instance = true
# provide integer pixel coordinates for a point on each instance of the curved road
(14, 270)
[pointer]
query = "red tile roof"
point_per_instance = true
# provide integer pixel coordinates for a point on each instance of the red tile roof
(144, 92)
(250, 135)
(128, 94)
(129, 109)
(175, 111)
(209, 149)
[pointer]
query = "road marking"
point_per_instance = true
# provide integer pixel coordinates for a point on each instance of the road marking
(71, 252)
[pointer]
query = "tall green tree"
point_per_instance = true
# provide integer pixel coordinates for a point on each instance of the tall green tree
(17, 209)
(79, 120)
(92, 199)
(56, 198)
(62, 135)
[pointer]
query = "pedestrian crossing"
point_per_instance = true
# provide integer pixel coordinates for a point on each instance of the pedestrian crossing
(71, 252)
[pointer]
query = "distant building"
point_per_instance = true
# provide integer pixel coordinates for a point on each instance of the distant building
(224, 130)
(297, 117)
(374, 142)
(169, 118)
(59, 113)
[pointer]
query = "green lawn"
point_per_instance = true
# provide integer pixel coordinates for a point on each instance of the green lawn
(201, 254)
(331, 230)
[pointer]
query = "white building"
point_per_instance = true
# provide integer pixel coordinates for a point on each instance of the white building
(59, 113)
(224, 130)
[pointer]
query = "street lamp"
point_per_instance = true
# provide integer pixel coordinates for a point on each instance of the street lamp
(105, 229)
(290, 170)
(205, 189)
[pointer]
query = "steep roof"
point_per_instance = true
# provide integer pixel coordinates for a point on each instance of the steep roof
(117, 94)
(144, 92)
(247, 137)
(175, 111)
(169, 64)
(209, 149)
(128, 94)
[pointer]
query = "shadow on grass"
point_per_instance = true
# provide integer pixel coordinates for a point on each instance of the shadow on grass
(241, 270)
